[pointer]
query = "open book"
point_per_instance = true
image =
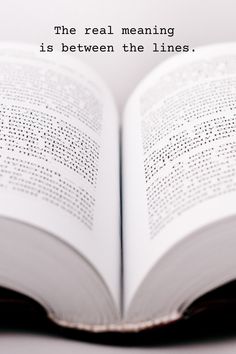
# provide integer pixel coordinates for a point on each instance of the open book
(63, 241)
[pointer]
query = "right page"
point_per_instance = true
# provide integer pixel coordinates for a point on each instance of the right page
(179, 156)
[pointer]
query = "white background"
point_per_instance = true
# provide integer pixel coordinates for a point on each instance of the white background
(196, 23)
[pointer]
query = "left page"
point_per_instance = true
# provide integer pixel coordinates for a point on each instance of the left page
(59, 154)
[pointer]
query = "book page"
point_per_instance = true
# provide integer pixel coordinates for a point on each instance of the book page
(59, 154)
(179, 156)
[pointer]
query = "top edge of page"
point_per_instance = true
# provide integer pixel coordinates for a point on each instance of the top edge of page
(54, 58)
(179, 59)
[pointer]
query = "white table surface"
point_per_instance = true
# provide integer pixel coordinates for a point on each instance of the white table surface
(12, 343)
(196, 22)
